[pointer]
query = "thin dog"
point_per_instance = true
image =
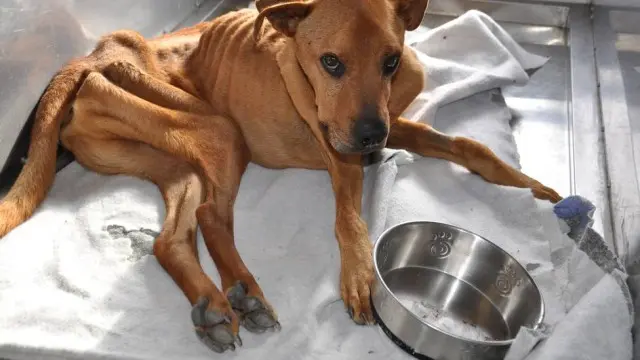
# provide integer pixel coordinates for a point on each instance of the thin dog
(308, 84)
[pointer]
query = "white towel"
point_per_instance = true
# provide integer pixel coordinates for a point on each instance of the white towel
(77, 281)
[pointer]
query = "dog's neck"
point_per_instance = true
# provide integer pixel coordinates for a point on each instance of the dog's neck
(298, 86)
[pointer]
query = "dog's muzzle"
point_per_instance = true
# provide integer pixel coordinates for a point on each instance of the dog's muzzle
(369, 135)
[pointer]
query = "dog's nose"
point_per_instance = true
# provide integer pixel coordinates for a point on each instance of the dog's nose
(370, 132)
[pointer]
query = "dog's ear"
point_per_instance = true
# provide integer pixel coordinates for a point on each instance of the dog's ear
(283, 15)
(411, 12)
(263, 4)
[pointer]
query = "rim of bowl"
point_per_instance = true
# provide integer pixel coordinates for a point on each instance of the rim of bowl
(538, 323)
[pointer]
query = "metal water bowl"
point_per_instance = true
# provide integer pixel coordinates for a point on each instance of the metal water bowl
(444, 293)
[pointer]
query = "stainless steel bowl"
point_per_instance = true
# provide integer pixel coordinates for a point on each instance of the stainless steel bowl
(444, 293)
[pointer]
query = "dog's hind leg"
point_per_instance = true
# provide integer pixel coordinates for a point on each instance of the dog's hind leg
(422, 139)
(212, 144)
(175, 248)
(139, 83)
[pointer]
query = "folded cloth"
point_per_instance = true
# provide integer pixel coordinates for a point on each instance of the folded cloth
(78, 280)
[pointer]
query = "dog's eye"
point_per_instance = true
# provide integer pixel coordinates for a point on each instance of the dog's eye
(390, 64)
(332, 65)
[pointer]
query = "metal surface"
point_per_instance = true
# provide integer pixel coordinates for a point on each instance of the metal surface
(634, 4)
(449, 294)
(621, 139)
(621, 21)
(512, 11)
(541, 120)
(588, 160)
(522, 33)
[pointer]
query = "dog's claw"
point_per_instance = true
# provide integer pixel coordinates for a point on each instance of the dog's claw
(366, 319)
(259, 320)
(212, 327)
(369, 319)
(208, 342)
(255, 316)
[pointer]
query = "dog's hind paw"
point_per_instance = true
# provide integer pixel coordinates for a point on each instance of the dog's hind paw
(256, 315)
(213, 327)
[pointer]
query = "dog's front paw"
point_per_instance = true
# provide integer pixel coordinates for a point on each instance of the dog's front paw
(356, 279)
(545, 193)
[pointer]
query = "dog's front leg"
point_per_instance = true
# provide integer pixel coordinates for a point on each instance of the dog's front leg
(424, 140)
(356, 272)
(356, 258)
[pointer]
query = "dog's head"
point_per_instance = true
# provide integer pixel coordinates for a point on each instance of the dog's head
(349, 51)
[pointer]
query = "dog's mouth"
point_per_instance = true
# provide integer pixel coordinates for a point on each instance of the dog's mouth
(338, 143)
(371, 148)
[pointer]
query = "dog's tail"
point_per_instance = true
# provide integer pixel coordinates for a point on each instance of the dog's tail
(37, 175)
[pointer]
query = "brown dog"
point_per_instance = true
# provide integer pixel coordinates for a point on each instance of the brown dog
(316, 86)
